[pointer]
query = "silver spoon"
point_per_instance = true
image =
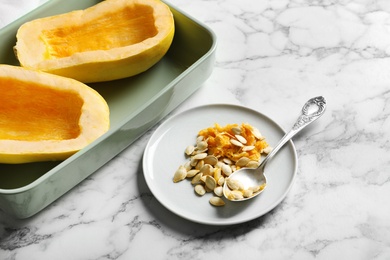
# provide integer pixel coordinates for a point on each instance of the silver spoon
(253, 180)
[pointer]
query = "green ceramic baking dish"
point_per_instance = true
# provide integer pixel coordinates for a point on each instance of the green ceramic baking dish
(136, 104)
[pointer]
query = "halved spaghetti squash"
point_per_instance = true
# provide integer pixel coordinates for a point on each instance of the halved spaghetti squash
(111, 40)
(46, 117)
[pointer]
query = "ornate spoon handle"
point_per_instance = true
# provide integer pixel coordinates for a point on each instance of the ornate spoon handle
(307, 116)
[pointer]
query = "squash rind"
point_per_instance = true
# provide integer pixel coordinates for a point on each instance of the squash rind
(96, 65)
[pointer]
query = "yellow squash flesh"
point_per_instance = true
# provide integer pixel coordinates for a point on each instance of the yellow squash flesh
(45, 117)
(111, 40)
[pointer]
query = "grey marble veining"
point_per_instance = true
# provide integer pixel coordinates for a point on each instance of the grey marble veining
(272, 56)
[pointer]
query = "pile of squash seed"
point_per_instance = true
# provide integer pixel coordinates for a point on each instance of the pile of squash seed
(208, 172)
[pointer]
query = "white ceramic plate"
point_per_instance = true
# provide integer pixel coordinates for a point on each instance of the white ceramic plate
(164, 153)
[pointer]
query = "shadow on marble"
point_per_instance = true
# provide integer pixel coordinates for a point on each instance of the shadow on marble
(186, 227)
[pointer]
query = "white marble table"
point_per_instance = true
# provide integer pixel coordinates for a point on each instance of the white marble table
(272, 56)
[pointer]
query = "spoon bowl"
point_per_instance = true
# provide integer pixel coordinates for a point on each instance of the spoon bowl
(248, 183)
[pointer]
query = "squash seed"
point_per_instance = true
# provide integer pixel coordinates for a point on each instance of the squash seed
(199, 165)
(180, 174)
(199, 189)
(226, 169)
(196, 179)
(252, 164)
(211, 159)
(267, 150)
(227, 161)
(221, 181)
(202, 145)
(234, 184)
(192, 173)
(256, 133)
(200, 138)
(241, 139)
(235, 195)
(248, 148)
(243, 161)
(216, 201)
(217, 173)
(193, 161)
(188, 166)
(207, 169)
(236, 143)
(259, 188)
(189, 150)
(247, 193)
(199, 156)
(219, 164)
(210, 182)
(218, 191)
